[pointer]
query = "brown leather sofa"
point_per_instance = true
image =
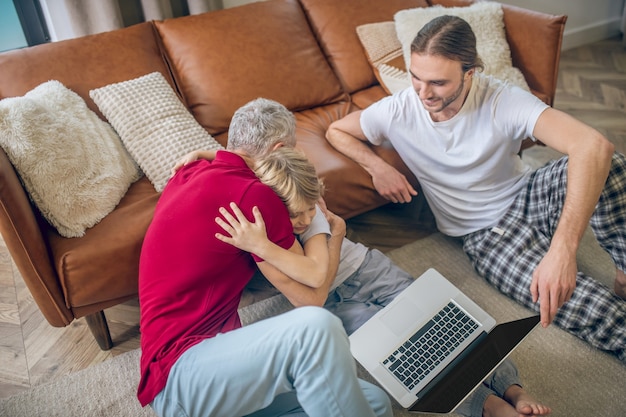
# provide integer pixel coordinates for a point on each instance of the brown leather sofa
(302, 53)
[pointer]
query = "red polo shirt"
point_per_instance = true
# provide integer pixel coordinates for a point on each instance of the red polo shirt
(190, 283)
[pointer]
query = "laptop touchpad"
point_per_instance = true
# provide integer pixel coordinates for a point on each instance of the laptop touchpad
(402, 316)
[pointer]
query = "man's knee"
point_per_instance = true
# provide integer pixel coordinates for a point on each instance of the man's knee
(316, 318)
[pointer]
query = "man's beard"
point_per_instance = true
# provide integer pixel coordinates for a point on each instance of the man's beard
(445, 102)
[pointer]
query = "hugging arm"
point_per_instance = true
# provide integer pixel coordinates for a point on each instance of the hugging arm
(347, 137)
(194, 156)
(285, 269)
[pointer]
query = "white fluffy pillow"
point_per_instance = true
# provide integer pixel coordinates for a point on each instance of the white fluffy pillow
(153, 123)
(486, 20)
(72, 164)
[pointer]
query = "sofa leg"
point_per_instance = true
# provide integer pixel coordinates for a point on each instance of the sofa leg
(97, 323)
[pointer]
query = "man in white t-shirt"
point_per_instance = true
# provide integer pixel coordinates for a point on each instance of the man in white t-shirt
(460, 133)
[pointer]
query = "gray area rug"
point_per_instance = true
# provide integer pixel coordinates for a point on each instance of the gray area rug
(559, 369)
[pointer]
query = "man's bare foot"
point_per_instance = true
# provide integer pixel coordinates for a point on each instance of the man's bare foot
(620, 284)
(524, 404)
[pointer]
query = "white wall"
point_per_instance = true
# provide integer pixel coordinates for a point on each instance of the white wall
(587, 20)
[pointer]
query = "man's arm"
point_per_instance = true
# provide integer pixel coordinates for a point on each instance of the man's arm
(347, 137)
(589, 160)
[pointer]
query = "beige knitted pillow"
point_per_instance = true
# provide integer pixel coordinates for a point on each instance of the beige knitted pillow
(153, 123)
(384, 53)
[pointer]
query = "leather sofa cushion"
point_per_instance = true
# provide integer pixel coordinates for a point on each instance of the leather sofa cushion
(265, 49)
(103, 265)
(335, 22)
(348, 187)
(365, 97)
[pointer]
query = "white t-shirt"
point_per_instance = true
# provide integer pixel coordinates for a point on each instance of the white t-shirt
(352, 253)
(468, 167)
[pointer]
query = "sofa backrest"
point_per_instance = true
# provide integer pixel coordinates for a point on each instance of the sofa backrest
(84, 63)
(263, 49)
(334, 22)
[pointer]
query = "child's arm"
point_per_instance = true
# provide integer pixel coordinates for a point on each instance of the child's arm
(322, 235)
(337, 234)
(194, 156)
(310, 269)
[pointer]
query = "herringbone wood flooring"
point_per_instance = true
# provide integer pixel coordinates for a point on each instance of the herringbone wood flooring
(592, 87)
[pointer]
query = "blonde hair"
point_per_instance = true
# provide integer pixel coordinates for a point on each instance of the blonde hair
(291, 175)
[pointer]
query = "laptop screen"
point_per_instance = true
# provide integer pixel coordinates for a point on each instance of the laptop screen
(467, 371)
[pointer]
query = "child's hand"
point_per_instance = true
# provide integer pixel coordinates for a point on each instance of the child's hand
(190, 157)
(245, 235)
(194, 156)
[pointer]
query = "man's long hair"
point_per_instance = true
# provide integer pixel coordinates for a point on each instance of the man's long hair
(450, 37)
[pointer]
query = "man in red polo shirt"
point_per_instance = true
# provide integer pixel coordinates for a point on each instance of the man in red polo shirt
(196, 359)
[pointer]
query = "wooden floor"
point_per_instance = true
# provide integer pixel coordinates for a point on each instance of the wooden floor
(592, 87)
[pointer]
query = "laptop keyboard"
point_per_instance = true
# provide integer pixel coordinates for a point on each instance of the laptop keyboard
(430, 345)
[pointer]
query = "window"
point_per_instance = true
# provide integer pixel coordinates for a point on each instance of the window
(21, 24)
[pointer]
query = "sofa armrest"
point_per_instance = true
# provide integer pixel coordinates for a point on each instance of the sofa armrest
(23, 236)
(535, 40)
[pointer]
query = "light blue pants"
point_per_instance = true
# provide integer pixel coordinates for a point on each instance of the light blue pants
(298, 363)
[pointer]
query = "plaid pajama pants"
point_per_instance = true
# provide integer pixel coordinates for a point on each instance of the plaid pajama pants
(507, 255)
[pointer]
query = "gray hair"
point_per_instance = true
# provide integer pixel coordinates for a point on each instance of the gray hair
(259, 125)
(450, 37)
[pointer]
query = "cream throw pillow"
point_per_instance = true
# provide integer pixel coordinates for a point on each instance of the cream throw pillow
(72, 164)
(486, 20)
(153, 123)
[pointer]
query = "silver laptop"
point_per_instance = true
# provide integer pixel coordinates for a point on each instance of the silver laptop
(432, 345)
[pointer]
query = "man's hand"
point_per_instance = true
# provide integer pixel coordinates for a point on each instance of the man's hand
(553, 283)
(391, 184)
(346, 135)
